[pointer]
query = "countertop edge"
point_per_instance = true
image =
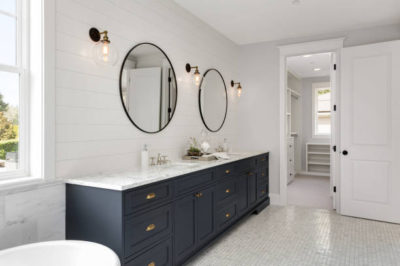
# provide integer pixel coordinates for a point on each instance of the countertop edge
(83, 181)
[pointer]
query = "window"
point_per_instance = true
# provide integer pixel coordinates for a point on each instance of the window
(321, 109)
(13, 88)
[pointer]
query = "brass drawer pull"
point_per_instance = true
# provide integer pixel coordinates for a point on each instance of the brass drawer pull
(228, 215)
(151, 196)
(150, 227)
(227, 190)
(151, 264)
(199, 195)
(227, 171)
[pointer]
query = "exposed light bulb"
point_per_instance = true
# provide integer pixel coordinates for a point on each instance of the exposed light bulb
(197, 79)
(105, 51)
(239, 92)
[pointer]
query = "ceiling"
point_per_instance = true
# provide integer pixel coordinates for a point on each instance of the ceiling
(251, 21)
(304, 66)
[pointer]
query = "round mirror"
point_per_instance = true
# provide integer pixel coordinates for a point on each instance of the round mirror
(213, 100)
(148, 87)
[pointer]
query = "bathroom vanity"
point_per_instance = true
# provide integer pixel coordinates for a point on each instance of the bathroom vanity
(166, 214)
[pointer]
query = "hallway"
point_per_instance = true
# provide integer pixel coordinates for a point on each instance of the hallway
(310, 191)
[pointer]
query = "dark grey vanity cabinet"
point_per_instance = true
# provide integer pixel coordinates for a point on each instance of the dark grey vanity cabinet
(166, 223)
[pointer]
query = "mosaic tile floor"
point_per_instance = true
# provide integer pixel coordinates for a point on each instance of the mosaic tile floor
(304, 236)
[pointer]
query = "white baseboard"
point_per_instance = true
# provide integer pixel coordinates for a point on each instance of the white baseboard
(275, 199)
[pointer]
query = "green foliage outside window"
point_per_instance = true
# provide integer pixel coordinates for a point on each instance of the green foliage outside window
(8, 128)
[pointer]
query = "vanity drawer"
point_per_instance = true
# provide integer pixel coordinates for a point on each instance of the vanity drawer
(225, 171)
(245, 166)
(145, 229)
(193, 181)
(262, 175)
(147, 196)
(226, 190)
(262, 160)
(226, 215)
(159, 255)
(262, 191)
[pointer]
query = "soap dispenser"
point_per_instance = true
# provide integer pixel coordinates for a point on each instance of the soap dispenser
(145, 157)
(226, 146)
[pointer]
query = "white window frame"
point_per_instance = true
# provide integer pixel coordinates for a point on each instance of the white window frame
(21, 68)
(315, 87)
(40, 106)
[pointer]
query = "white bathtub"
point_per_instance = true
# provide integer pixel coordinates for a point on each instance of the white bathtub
(59, 253)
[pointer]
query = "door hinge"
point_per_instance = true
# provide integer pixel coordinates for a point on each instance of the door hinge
(334, 148)
(334, 108)
(334, 189)
(334, 66)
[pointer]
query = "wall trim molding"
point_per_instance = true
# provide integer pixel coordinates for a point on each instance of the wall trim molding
(322, 46)
(275, 199)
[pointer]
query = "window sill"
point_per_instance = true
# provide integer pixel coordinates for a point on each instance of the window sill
(24, 183)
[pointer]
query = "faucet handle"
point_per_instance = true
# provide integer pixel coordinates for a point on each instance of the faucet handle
(152, 159)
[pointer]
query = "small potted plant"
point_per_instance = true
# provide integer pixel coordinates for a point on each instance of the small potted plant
(194, 149)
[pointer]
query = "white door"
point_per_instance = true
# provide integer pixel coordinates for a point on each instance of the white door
(334, 130)
(370, 131)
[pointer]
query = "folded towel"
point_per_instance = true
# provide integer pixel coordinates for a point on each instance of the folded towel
(218, 155)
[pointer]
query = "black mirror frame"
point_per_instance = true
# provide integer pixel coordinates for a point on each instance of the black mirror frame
(226, 97)
(120, 87)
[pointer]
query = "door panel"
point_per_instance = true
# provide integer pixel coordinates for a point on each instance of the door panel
(370, 130)
(184, 219)
(205, 215)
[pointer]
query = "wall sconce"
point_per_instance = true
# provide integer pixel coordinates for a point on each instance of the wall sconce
(239, 87)
(196, 73)
(103, 52)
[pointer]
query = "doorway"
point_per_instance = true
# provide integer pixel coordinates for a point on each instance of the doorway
(309, 109)
(308, 123)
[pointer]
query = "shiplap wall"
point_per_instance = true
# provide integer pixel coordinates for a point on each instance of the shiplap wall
(93, 132)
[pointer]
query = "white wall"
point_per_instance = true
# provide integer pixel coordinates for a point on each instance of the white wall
(307, 116)
(93, 133)
(258, 114)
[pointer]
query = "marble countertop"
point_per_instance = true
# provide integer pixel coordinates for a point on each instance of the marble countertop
(130, 179)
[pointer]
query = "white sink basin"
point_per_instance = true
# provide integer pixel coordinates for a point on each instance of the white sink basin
(178, 165)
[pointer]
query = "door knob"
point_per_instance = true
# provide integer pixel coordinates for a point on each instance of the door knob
(345, 152)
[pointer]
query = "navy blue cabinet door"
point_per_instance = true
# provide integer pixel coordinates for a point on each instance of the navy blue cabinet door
(243, 198)
(205, 214)
(252, 182)
(184, 235)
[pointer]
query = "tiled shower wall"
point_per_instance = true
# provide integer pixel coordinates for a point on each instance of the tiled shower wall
(93, 133)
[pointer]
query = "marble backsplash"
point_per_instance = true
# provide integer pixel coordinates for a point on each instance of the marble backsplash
(33, 215)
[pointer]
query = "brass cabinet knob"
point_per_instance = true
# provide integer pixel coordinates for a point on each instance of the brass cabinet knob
(151, 196)
(151, 264)
(227, 190)
(150, 227)
(227, 171)
(228, 215)
(263, 159)
(199, 195)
